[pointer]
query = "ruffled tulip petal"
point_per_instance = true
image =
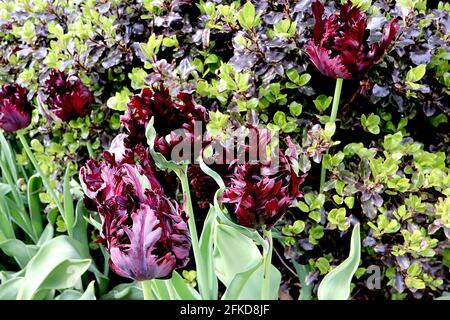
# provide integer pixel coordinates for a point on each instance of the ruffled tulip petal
(144, 231)
(318, 9)
(339, 48)
(257, 196)
(330, 67)
(390, 31)
(135, 260)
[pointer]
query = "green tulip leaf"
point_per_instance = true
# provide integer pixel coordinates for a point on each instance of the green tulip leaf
(10, 288)
(233, 253)
(336, 284)
(247, 285)
(20, 251)
(57, 265)
(69, 211)
(182, 289)
(161, 162)
(207, 280)
(125, 291)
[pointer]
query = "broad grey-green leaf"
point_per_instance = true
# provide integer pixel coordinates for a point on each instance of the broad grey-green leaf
(4, 189)
(336, 284)
(10, 212)
(70, 294)
(6, 226)
(207, 280)
(233, 253)
(57, 265)
(80, 227)
(183, 289)
(80, 234)
(161, 290)
(8, 154)
(248, 284)
(174, 288)
(69, 211)
(239, 281)
(8, 275)
(46, 235)
(125, 291)
(9, 288)
(89, 293)
(20, 251)
(66, 275)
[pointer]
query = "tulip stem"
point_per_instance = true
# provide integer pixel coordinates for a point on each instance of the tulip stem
(147, 290)
(43, 176)
(336, 99)
(182, 174)
(267, 260)
(334, 111)
(90, 150)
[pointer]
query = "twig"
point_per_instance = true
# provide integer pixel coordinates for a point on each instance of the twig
(284, 263)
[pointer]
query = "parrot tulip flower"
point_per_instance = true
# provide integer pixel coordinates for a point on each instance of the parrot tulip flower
(15, 110)
(340, 48)
(257, 194)
(67, 96)
(144, 231)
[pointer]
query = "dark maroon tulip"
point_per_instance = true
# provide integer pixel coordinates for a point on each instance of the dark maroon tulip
(258, 194)
(340, 48)
(67, 96)
(104, 180)
(144, 231)
(153, 244)
(15, 110)
(169, 115)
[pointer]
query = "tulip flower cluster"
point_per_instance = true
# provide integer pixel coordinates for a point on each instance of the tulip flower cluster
(67, 98)
(169, 116)
(144, 230)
